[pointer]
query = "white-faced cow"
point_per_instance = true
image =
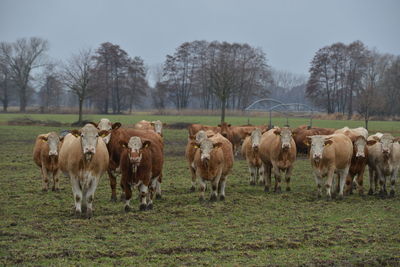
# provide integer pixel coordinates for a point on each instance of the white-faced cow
(251, 152)
(156, 126)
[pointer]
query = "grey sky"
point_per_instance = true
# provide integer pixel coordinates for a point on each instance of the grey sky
(289, 32)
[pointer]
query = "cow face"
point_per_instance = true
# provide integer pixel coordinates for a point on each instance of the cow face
(255, 139)
(206, 146)
(318, 143)
(157, 126)
(359, 145)
(53, 141)
(387, 141)
(106, 134)
(104, 124)
(88, 135)
(135, 148)
(200, 136)
(225, 129)
(286, 137)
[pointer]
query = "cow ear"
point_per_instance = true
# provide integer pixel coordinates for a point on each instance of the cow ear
(75, 133)
(219, 125)
(62, 138)
(116, 125)
(229, 125)
(293, 134)
(277, 132)
(152, 123)
(371, 142)
(192, 137)
(218, 144)
(93, 123)
(164, 124)
(328, 142)
(307, 141)
(103, 133)
(43, 138)
(123, 143)
(146, 143)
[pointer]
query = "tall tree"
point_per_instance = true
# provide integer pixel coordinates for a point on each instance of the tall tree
(22, 57)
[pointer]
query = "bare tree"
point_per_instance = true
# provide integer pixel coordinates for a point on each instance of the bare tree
(22, 57)
(51, 89)
(76, 75)
(5, 85)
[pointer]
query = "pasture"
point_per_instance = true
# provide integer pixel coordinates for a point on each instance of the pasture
(250, 228)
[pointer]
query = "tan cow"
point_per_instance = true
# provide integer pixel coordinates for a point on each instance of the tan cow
(330, 154)
(155, 126)
(191, 147)
(373, 176)
(354, 132)
(194, 128)
(45, 155)
(84, 159)
(278, 153)
(251, 152)
(239, 133)
(385, 160)
(213, 162)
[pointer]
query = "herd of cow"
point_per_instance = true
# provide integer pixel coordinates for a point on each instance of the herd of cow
(136, 152)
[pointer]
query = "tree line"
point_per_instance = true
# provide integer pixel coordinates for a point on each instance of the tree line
(199, 74)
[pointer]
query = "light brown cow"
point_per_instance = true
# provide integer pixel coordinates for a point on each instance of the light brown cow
(251, 152)
(373, 176)
(354, 132)
(213, 162)
(330, 154)
(385, 160)
(300, 136)
(194, 128)
(155, 126)
(239, 133)
(278, 153)
(45, 155)
(191, 147)
(84, 159)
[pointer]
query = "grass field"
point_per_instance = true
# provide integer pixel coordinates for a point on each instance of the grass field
(250, 228)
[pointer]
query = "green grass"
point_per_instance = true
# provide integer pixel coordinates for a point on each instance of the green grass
(250, 228)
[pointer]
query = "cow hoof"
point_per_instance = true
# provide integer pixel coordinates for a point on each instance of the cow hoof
(370, 192)
(150, 206)
(44, 189)
(278, 190)
(361, 193)
(252, 183)
(319, 196)
(213, 198)
(340, 197)
(158, 196)
(222, 197)
(266, 189)
(113, 199)
(392, 193)
(127, 208)
(89, 214)
(382, 194)
(192, 189)
(122, 197)
(288, 189)
(77, 214)
(142, 207)
(57, 190)
(201, 199)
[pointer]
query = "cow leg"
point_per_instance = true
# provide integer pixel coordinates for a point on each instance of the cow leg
(56, 180)
(371, 180)
(214, 187)
(128, 194)
(153, 188)
(349, 185)
(252, 171)
(261, 175)
(393, 181)
(360, 182)
(318, 181)
(77, 192)
(382, 183)
(288, 174)
(202, 188)
(144, 190)
(113, 185)
(328, 184)
(193, 173)
(89, 195)
(342, 175)
(158, 187)
(267, 177)
(277, 174)
(221, 188)
(45, 178)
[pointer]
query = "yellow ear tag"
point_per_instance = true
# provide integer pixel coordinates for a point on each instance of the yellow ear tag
(327, 144)
(146, 145)
(196, 146)
(123, 145)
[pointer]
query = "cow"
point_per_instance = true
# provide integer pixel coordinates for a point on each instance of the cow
(84, 159)
(239, 133)
(300, 136)
(373, 176)
(191, 147)
(140, 167)
(278, 153)
(155, 126)
(358, 137)
(251, 152)
(213, 161)
(385, 160)
(112, 138)
(330, 154)
(194, 128)
(45, 155)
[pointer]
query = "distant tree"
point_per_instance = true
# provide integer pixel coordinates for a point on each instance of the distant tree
(51, 90)
(391, 87)
(5, 85)
(22, 57)
(76, 75)
(136, 81)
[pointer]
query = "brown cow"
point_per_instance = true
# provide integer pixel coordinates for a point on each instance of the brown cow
(194, 128)
(84, 159)
(191, 147)
(45, 155)
(300, 136)
(278, 153)
(112, 138)
(330, 154)
(155, 126)
(140, 167)
(251, 152)
(213, 162)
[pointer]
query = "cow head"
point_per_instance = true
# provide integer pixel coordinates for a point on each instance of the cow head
(88, 135)
(106, 134)
(359, 145)
(286, 137)
(200, 136)
(158, 125)
(255, 139)
(386, 142)
(225, 129)
(53, 141)
(135, 148)
(206, 147)
(318, 143)
(104, 125)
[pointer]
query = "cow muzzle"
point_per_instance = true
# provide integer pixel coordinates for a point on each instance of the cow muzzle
(255, 148)
(224, 134)
(89, 150)
(205, 158)
(285, 146)
(360, 155)
(53, 153)
(317, 157)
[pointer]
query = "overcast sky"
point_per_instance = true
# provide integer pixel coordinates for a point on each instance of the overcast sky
(289, 32)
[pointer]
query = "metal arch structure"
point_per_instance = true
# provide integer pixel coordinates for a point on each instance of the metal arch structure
(288, 107)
